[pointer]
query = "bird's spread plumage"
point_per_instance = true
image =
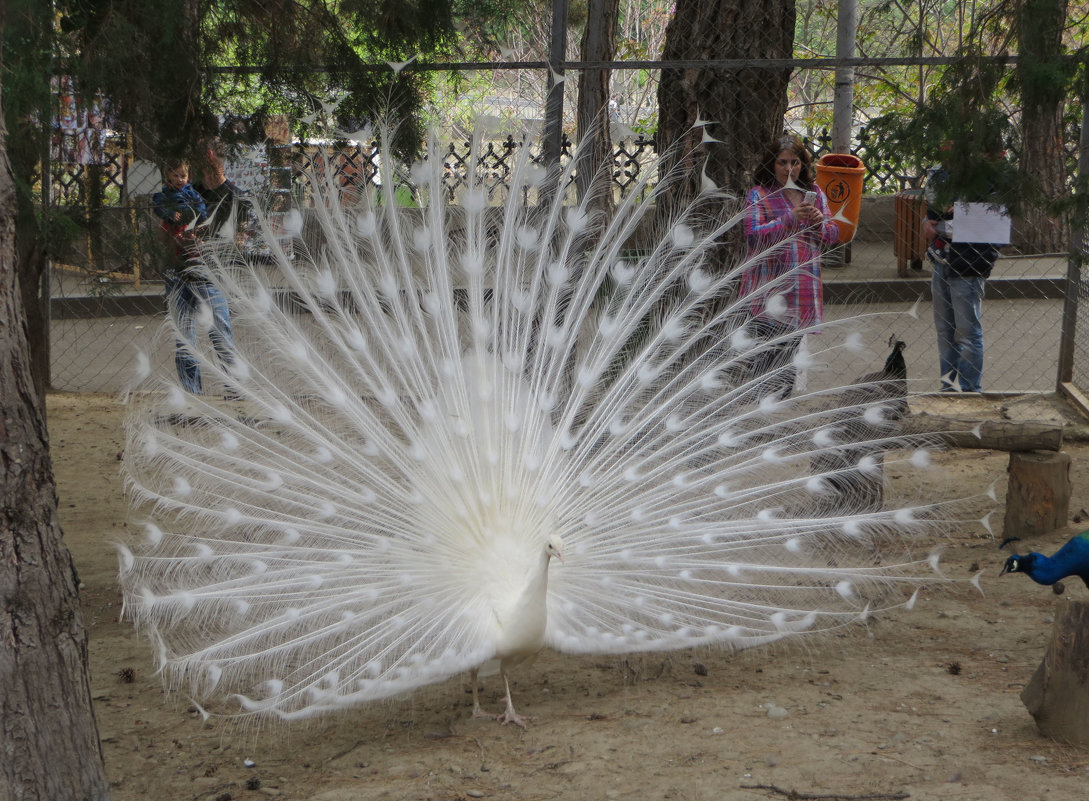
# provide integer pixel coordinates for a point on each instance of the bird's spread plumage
(1072, 559)
(427, 402)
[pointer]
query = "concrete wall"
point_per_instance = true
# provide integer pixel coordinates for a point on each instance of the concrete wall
(876, 219)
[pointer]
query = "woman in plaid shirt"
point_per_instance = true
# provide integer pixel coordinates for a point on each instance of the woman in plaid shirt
(784, 285)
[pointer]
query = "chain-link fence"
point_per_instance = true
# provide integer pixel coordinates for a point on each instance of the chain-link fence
(1074, 347)
(106, 286)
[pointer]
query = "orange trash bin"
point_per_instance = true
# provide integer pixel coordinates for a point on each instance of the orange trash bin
(840, 177)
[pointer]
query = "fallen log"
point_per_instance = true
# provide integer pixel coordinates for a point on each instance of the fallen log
(1076, 432)
(999, 435)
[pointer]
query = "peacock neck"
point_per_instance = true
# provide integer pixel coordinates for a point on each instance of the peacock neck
(522, 623)
(1047, 570)
(537, 581)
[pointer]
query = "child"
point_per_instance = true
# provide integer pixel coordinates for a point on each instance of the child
(179, 208)
(179, 204)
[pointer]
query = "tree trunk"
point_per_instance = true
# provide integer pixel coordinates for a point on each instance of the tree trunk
(744, 107)
(48, 736)
(33, 27)
(1057, 695)
(595, 137)
(1043, 95)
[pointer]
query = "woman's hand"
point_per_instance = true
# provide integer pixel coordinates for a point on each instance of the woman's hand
(808, 214)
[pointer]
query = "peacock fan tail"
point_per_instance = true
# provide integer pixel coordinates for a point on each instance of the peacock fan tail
(425, 402)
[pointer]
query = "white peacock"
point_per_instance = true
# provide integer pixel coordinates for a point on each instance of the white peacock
(433, 402)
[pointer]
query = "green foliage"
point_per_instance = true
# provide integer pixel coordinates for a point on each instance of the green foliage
(143, 57)
(27, 66)
(961, 128)
(1040, 29)
(892, 101)
(490, 24)
(60, 229)
(171, 68)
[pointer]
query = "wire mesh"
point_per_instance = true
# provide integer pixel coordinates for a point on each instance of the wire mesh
(1076, 328)
(107, 286)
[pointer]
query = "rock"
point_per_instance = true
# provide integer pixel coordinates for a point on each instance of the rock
(776, 711)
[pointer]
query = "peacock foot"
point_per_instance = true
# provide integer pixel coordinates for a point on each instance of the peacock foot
(510, 716)
(480, 713)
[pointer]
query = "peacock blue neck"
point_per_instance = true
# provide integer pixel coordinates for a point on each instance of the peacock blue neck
(1044, 569)
(1070, 560)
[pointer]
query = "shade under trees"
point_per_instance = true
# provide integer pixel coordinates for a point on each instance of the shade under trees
(164, 66)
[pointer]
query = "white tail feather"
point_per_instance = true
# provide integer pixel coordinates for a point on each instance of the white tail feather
(423, 397)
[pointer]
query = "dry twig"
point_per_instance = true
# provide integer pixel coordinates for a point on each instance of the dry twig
(794, 795)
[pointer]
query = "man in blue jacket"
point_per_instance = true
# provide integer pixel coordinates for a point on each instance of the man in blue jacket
(958, 278)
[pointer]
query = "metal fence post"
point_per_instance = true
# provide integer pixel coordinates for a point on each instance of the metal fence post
(843, 99)
(1064, 380)
(44, 288)
(553, 129)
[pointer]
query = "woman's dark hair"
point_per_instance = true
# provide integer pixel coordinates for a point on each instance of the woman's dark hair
(764, 175)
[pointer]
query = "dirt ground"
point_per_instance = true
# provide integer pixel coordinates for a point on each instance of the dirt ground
(920, 704)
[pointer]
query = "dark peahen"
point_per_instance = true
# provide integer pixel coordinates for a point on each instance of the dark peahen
(855, 474)
(889, 384)
(1070, 560)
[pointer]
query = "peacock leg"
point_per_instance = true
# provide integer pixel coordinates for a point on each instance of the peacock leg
(477, 711)
(510, 716)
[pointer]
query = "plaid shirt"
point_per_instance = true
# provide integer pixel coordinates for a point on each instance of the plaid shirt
(796, 264)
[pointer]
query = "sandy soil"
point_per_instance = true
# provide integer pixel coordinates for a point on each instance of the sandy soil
(921, 704)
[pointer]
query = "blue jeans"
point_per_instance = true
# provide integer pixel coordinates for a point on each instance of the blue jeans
(958, 318)
(184, 298)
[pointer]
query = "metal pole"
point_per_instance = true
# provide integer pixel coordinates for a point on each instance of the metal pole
(1073, 265)
(843, 99)
(553, 128)
(44, 284)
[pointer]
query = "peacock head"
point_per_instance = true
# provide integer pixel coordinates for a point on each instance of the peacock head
(1017, 564)
(555, 547)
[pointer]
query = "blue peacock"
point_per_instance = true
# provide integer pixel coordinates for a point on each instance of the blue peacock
(464, 431)
(1072, 559)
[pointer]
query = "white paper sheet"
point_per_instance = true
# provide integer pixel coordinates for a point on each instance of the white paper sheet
(980, 222)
